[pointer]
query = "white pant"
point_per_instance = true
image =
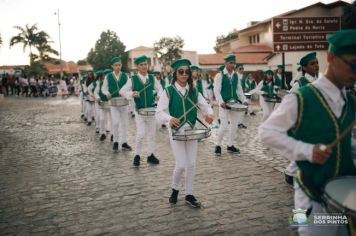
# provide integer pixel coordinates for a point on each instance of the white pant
(145, 126)
(89, 108)
(302, 201)
(97, 115)
(185, 154)
(267, 108)
(82, 106)
(119, 123)
(226, 116)
(105, 120)
(292, 168)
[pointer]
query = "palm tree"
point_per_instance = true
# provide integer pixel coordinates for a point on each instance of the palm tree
(31, 37)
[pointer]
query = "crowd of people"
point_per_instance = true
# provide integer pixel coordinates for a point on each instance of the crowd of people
(37, 86)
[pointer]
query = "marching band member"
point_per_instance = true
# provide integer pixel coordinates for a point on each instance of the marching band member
(111, 88)
(105, 115)
(179, 100)
(91, 90)
(89, 99)
(226, 88)
(307, 123)
(310, 71)
(242, 79)
(141, 87)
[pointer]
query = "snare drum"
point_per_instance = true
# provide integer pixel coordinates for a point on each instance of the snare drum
(118, 102)
(272, 99)
(148, 111)
(104, 105)
(340, 196)
(236, 107)
(191, 134)
(248, 95)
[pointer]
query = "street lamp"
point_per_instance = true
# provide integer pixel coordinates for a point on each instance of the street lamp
(60, 44)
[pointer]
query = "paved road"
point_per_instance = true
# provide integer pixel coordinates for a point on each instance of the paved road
(56, 178)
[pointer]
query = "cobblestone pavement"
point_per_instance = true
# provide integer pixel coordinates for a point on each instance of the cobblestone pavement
(56, 178)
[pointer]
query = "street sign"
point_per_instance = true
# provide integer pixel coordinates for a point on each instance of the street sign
(303, 33)
(304, 46)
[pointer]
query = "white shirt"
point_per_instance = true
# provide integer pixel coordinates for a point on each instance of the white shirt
(96, 90)
(217, 87)
(126, 91)
(309, 77)
(273, 131)
(299, 74)
(163, 103)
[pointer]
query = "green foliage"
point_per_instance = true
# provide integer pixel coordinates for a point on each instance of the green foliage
(348, 19)
(82, 62)
(36, 68)
(168, 49)
(32, 38)
(108, 46)
(222, 39)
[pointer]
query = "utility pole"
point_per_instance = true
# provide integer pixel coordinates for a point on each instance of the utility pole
(60, 44)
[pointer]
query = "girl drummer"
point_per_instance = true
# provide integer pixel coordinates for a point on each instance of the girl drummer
(181, 100)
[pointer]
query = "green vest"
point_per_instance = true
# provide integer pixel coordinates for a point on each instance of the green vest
(81, 82)
(94, 85)
(268, 88)
(277, 81)
(146, 98)
(302, 81)
(101, 95)
(115, 86)
(251, 84)
(163, 83)
(211, 84)
(170, 77)
(317, 123)
(200, 87)
(244, 84)
(179, 104)
(229, 87)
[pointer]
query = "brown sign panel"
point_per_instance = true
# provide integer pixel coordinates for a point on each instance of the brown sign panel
(300, 37)
(305, 24)
(304, 46)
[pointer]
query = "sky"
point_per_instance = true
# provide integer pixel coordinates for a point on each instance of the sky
(136, 22)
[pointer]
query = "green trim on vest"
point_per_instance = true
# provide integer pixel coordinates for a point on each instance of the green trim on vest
(163, 83)
(316, 123)
(251, 85)
(179, 104)
(101, 95)
(244, 84)
(146, 98)
(115, 86)
(229, 87)
(277, 81)
(94, 85)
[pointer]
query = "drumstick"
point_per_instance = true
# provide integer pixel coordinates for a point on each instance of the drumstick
(185, 113)
(195, 106)
(144, 88)
(337, 140)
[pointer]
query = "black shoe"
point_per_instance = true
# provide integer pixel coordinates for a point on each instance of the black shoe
(136, 161)
(232, 149)
(85, 119)
(252, 114)
(163, 126)
(218, 150)
(288, 179)
(174, 196)
(152, 159)
(115, 147)
(89, 123)
(219, 121)
(102, 137)
(242, 126)
(96, 130)
(126, 147)
(190, 200)
(112, 138)
(82, 116)
(132, 115)
(108, 132)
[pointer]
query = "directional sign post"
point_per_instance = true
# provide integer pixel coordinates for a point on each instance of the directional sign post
(292, 34)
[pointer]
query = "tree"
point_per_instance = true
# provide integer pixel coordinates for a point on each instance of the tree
(108, 46)
(31, 37)
(222, 39)
(82, 62)
(349, 16)
(0, 40)
(168, 50)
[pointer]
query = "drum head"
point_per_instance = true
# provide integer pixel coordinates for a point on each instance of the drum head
(148, 111)
(341, 193)
(191, 134)
(236, 106)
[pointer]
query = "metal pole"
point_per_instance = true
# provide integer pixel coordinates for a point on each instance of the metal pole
(60, 44)
(283, 70)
